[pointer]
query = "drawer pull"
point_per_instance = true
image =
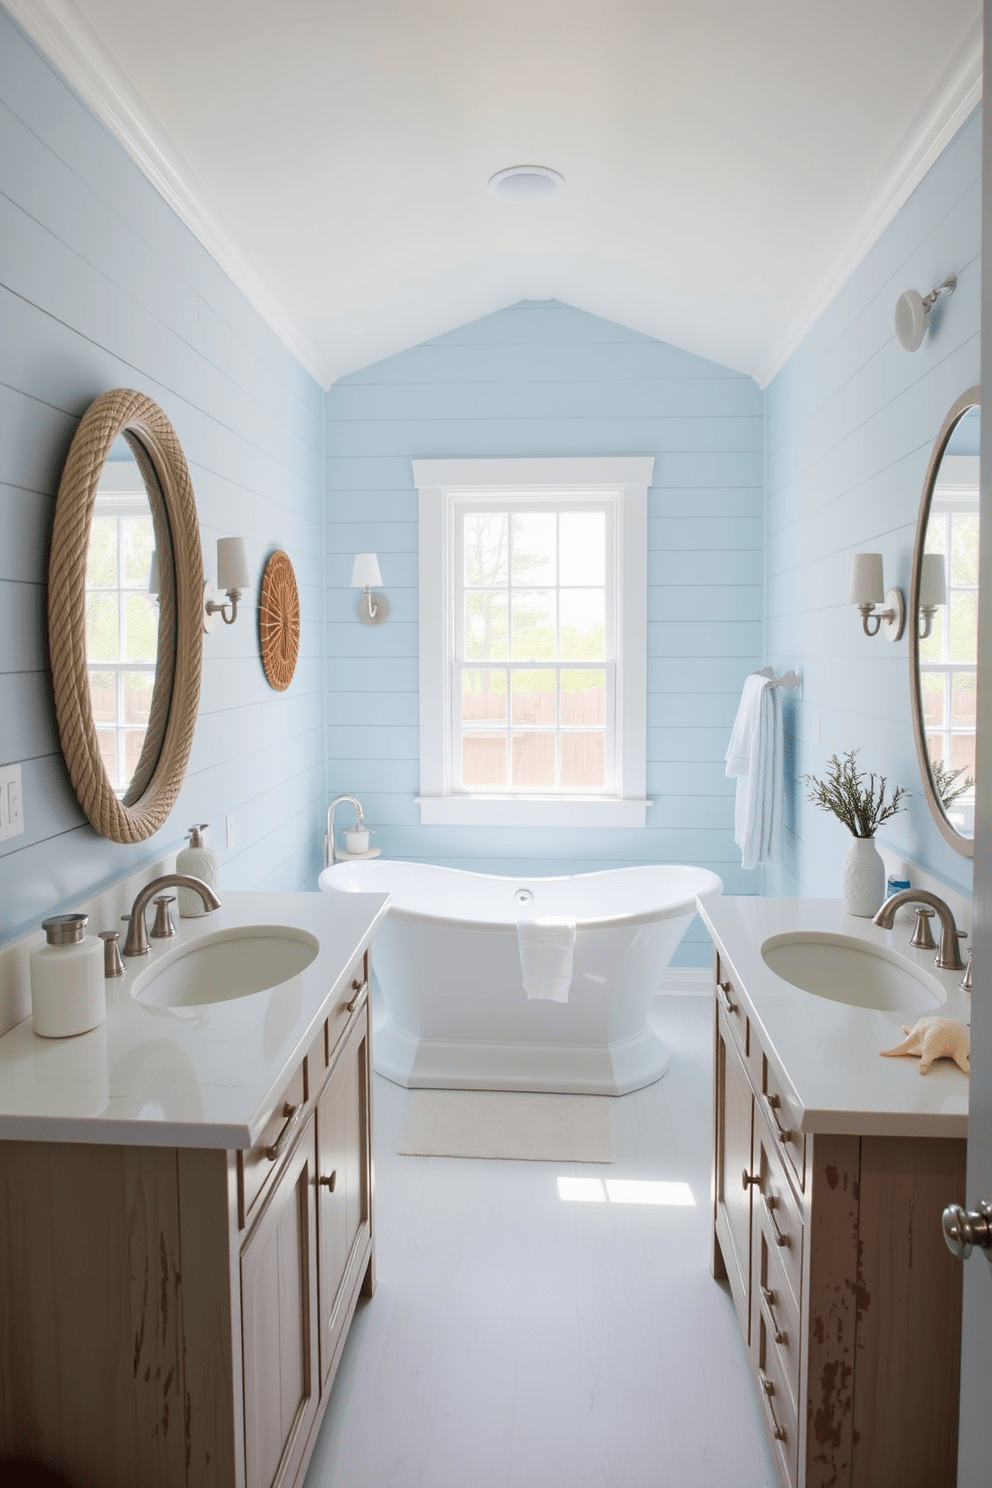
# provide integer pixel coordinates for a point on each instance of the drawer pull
(331, 1182)
(749, 1178)
(293, 1116)
(359, 989)
(777, 1333)
(766, 1384)
(771, 1204)
(775, 1105)
(726, 988)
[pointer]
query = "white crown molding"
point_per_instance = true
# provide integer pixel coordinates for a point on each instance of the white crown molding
(955, 96)
(70, 42)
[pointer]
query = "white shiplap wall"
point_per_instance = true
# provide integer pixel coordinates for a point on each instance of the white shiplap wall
(542, 378)
(102, 286)
(851, 420)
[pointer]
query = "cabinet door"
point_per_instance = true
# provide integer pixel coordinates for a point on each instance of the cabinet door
(279, 1323)
(734, 1123)
(344, 1186)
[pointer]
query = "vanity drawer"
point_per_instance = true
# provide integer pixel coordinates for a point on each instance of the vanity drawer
(779, 1318)
(780, 1222)
(352, 990)
(734, 1014)
(791, 1141)
(777, 1404)
(257, 1165)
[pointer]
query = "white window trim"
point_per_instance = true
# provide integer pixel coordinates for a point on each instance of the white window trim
(440, 484)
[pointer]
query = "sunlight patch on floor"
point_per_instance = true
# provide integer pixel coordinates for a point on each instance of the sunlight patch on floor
(625, 1191)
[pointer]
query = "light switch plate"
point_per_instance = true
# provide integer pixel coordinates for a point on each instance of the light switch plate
(11, 802)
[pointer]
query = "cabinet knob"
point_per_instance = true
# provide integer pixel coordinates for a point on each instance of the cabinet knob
(964, 1230)
(330, 1182)
(749, 1178)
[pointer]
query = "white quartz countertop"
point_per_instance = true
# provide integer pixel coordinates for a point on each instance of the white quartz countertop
(201, 1076)
(826, 1053)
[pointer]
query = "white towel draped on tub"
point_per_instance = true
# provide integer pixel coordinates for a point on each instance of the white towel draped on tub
(754, 758)
(546, 947)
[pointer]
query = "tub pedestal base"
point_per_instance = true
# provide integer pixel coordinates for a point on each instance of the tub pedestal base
(565, 1069)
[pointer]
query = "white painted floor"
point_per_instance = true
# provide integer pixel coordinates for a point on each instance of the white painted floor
(519, 1341)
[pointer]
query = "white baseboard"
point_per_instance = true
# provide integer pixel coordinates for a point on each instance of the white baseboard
(686, 981)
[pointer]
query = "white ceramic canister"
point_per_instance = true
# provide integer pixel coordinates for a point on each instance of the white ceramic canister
(199, 861)
(67, 987)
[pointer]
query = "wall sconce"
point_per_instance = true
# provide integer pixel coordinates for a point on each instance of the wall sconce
(912, 310)
(154, 581)
(373, 609)
(232, 577)
(933, 591)
(866, 593)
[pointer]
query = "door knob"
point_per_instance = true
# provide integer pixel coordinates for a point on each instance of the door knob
(964, 1229)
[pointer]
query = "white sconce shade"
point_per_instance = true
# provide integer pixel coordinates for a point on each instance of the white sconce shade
(233, 577)
(867, 591)
(933, 587)
(373, 609)
(232, 563)
(866, 579)
(365, 571)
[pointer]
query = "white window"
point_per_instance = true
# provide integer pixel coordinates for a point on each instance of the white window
(533, 576)
(121, 619)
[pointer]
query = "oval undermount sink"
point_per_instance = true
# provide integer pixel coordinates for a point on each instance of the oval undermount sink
(844, 969)
(228, 964)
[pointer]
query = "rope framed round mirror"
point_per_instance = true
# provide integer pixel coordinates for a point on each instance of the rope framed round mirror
(125, 631)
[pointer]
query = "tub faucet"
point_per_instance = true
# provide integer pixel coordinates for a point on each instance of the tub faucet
(137, 931)
(948, 955)
(329, 846)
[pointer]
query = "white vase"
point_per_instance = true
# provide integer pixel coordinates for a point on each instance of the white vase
(864, 878)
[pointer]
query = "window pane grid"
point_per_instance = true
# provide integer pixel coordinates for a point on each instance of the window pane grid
(121, 639)
(948, 672)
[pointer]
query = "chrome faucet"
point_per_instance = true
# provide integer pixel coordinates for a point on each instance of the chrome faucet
(948, 955)
(137, 931)
(329, 845)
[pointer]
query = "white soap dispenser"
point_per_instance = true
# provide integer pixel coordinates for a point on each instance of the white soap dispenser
(199, 861)
(67, 987)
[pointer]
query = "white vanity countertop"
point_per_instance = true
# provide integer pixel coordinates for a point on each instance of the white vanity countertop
(827, 1054)
(195, 1076)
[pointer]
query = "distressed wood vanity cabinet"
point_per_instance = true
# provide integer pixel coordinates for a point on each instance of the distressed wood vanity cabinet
(176, 1315)
(848, 1301)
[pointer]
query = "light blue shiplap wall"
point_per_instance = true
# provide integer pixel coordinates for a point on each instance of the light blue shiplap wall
(101, 286)
(541, 378)
(851, 420)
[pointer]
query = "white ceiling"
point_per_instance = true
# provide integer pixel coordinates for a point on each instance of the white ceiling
(726, 164)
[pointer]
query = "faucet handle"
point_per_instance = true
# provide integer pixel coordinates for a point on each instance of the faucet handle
(113, 966)
(922, 937)
(163, 927)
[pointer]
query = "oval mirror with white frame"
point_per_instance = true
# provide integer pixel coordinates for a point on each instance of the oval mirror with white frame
(124, 615)
(943, 627)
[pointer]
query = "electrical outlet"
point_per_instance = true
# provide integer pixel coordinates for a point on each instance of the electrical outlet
(231, 832)
(11, 802)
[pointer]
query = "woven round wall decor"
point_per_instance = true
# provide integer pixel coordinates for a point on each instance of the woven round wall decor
(279, 621)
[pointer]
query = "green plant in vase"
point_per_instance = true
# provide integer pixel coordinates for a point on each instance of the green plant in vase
(858, 799)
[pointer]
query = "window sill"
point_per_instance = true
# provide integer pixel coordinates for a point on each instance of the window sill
(532, 811)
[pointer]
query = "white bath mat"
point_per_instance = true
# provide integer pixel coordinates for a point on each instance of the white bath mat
(505, 1124)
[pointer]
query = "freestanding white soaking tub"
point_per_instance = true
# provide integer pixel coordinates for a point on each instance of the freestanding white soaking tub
(448, 966)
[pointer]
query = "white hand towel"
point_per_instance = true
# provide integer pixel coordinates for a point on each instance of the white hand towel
(754, 758)
(546, 947)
